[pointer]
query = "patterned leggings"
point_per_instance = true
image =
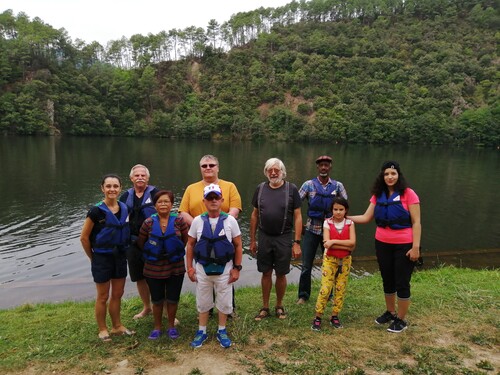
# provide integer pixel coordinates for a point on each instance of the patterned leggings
(331, 278)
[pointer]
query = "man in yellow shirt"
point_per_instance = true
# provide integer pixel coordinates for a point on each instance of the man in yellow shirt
(192, 203)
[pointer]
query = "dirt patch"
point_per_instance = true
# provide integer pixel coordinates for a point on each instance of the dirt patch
(194, 76)
(206, 361)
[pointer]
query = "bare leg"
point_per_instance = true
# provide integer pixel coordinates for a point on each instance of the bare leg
(266, 284)
(143, 289)
(101, 307)
(157, 314)
(203, 318)
(172, 312)
(117, 289)
(403, 306)
(222, 319)
(280, 286)
(390, 303)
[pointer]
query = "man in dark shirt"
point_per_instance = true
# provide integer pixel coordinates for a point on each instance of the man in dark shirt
(139, 201)
(276, 213)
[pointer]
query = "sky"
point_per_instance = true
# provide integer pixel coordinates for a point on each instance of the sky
(105, 20)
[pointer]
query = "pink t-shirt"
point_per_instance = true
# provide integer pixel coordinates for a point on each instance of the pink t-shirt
(397, 236)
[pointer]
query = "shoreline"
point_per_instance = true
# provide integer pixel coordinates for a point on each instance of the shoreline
(18, 293)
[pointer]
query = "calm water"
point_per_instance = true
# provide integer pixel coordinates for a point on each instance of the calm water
(48, 184)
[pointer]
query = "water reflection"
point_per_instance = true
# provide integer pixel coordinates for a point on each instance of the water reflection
(49, 183)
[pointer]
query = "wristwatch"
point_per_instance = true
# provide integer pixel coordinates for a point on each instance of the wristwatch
(297, 241)
(238, 267)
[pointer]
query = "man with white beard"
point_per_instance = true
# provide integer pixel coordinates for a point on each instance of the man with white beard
(278, 217)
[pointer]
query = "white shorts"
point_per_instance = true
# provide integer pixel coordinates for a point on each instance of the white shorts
(205, 290)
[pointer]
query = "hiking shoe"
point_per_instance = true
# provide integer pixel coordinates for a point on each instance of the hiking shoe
(223, 339)
(385, 318)
(316, 324)
(199, 339)
(397, 326)
(335, 322)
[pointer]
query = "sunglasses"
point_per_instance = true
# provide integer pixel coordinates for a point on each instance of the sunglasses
(213, 197)
(205, 166)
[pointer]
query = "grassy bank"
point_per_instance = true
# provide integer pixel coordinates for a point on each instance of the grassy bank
(453, 328)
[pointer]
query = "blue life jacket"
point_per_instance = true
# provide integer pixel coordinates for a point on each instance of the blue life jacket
(212, 248)
(147, 209)
(116, 233)
(320, 206)
(391, 213)
(166, 245)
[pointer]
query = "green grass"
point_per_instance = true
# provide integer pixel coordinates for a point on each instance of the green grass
(453, 329)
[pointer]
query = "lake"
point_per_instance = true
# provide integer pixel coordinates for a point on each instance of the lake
(48, 183)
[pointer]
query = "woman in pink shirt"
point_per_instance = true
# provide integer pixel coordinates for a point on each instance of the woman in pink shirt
(396, 210)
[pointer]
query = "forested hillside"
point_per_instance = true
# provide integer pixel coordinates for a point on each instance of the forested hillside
(352, 71)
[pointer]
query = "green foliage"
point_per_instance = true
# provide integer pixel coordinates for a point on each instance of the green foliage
(372, 71)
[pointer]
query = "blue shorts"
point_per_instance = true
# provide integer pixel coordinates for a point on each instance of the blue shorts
(108, 266)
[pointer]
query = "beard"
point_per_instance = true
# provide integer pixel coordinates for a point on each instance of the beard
(275, 180)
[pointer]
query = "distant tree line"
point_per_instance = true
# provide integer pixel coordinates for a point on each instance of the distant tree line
(360, 71)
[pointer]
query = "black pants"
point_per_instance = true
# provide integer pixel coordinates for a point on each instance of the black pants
(396, 268)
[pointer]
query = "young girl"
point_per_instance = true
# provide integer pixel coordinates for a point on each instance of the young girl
(339, 240)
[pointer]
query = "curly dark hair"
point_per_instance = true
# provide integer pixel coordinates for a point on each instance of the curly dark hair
(379, 185)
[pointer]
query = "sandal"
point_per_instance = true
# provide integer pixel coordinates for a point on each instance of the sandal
(263, 313)
(125, 332)
(104, 337)
(280, 312)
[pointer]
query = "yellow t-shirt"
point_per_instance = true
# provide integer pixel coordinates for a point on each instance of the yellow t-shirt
(192, 200)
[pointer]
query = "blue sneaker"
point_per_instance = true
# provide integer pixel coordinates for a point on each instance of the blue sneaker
(223, 339)
(199, 339)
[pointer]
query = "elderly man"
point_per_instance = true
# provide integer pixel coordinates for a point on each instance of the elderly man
(320, 192)
(214, 243)
(192, 203)
(139, 201)
(276, 214)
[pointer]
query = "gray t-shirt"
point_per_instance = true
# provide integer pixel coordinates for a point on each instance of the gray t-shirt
(272, 205)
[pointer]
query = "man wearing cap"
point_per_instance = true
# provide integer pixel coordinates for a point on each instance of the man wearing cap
(319, 193)
(214, 243)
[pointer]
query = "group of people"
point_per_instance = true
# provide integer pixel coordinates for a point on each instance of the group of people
(203, 238)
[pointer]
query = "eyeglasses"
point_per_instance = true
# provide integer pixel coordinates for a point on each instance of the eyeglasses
(273, 170)
(163, 202)
(205, 166)
(213, 197)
